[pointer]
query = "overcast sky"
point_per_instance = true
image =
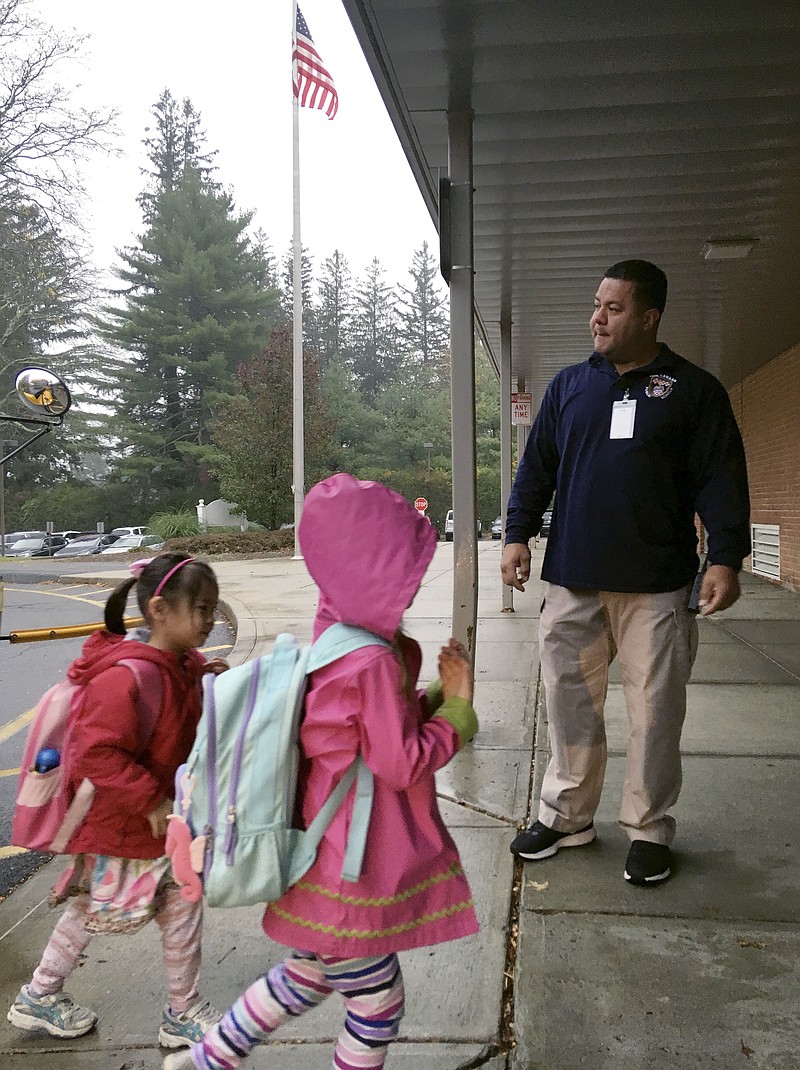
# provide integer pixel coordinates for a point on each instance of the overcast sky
(232, 58)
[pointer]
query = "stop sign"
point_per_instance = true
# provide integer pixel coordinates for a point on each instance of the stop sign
(420, 504)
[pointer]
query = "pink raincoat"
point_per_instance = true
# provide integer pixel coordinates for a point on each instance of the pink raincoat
(368, 550)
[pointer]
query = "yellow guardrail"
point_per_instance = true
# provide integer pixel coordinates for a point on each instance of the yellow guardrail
(70, 631)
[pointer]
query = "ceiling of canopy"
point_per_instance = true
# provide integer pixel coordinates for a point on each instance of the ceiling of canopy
(603, 133)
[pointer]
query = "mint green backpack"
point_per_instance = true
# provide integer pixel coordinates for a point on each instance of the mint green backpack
(236, 792)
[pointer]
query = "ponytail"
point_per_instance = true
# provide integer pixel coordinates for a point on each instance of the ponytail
(400, 644)
(114, 614)
(170, 575)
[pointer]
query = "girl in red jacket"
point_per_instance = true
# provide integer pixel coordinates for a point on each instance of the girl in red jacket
(120, 877)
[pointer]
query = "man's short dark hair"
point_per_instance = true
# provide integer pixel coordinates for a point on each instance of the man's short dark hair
(649, 282)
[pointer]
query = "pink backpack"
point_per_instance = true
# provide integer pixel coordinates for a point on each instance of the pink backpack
(47, 814)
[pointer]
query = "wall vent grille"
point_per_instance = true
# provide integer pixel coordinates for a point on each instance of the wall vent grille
(766, 550)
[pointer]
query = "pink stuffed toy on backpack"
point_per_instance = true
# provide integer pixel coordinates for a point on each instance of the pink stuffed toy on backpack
(186, 851)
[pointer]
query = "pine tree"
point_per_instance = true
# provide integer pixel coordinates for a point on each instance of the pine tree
(175, 151)
(44, 286)
(409, 418)
(45, 294)
(487, 418)
(357, 424)
(197, 302)
(306, 286)
(376, 358)
(261, 248)
(334, 314)
(424, 323)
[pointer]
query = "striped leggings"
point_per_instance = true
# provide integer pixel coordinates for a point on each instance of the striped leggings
(373, 998)
(180, 923)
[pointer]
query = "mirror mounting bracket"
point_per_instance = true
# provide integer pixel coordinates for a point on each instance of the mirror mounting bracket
(24, 445)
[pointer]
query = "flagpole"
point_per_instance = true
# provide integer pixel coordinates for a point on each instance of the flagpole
(298, 446)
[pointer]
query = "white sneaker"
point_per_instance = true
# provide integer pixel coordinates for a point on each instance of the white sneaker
(184, 1030)
(56, 1014)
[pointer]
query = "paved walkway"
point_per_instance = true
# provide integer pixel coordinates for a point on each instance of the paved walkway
(582, 970)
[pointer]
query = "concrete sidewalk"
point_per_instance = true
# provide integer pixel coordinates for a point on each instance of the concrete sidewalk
(587, 971)
(705, 969)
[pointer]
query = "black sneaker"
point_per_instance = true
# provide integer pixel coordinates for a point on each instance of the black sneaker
(539, 841)
(648, 863)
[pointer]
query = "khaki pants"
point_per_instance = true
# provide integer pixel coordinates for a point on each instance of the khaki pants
(655, 638)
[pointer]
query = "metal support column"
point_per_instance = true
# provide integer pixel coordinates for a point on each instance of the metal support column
(505, 436)
(462, 356)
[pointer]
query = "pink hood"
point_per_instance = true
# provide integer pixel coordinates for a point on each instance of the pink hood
(367, 549)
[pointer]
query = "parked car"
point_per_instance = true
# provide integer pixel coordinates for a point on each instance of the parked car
(544, 530)
(45, 547)
(85, 545)
(141, 530)
(448, 526)
(70, 535)
(15, 536)
(497, 527)
(134, 542)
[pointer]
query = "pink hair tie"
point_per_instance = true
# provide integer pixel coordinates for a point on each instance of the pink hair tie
(170, 574)
(136, 568)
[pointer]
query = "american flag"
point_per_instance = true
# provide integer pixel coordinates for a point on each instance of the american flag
(313, 84)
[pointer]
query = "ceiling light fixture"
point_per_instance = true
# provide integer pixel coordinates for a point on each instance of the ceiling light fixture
(728, 248)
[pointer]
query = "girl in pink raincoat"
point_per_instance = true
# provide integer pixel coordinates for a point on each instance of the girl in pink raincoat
(368, 550)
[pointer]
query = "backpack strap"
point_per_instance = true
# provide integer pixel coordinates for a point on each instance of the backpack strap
(336, 641)
(340, 639)
(210, 712)
(236, 763)
(306, 851)
(359, 822)
(150, 689)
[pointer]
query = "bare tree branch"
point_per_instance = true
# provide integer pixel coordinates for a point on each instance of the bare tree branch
(44, 137)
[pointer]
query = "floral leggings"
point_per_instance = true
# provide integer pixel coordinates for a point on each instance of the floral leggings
(373, 998)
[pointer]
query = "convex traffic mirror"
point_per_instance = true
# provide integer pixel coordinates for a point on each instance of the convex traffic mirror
(42, 392)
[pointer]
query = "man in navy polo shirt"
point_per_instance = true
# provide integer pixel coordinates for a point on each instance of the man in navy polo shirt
(634, 442)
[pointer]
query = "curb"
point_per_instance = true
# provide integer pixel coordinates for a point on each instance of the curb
(50, 577)
(243, 623)
(238, 614)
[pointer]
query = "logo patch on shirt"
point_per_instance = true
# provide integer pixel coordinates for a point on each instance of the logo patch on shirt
(660, 386)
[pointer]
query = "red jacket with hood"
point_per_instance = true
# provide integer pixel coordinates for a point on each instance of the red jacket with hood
(106, 745)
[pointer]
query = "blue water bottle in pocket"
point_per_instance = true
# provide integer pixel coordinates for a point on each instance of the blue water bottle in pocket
(48, 758)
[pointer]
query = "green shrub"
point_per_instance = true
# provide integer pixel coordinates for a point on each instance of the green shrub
(234, 542)
(174, 525)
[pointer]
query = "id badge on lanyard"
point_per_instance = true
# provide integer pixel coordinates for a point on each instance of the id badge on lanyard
(623, 417)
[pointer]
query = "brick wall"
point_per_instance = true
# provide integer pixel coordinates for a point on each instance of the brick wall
(767, 407)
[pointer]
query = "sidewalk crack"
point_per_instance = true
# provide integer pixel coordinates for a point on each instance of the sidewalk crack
(475, 809)
(758, 650)
(507, 1035)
